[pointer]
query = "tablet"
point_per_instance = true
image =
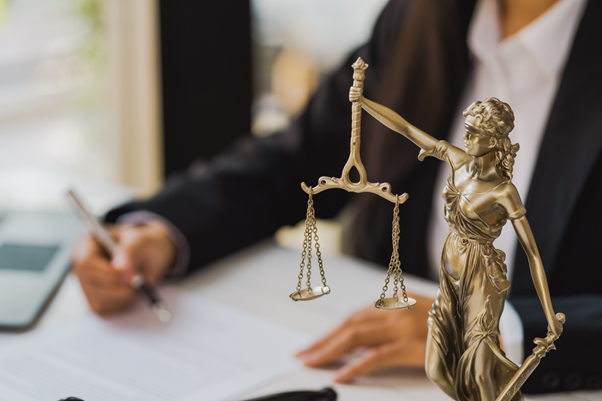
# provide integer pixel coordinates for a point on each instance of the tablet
(35, 254)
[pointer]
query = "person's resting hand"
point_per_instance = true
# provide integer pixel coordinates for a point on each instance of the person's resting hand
(147, 249)
(390, 338)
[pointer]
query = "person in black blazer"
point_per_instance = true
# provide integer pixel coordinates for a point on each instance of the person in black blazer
(206, 207)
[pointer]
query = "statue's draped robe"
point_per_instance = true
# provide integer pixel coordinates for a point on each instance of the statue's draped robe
(464, 320)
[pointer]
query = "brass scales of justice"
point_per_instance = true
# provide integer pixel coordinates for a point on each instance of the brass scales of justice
(486, 139)
(363, 185)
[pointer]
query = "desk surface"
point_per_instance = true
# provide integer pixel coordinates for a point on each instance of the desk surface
(262, 278)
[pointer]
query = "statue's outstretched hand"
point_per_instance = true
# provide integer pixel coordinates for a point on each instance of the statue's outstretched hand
(556, 324)
(354, 94)
(388, 338)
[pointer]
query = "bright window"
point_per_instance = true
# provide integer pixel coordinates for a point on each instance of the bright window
(53, 127)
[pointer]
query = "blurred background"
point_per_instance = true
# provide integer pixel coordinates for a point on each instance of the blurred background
(113, 96)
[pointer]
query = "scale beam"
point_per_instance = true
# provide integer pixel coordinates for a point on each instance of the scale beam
(382, 190)
(344, 182)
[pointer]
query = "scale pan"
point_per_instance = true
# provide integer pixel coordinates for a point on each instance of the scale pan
(394, 303)
(307, 294)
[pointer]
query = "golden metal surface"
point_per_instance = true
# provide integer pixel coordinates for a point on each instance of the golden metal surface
(311, 233)
(395, 270)
(393, 303)
(363, 185)
(544, 345)
(310, 293)
(463, 353)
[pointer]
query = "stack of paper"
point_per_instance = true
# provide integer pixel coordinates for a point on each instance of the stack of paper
(207, 352)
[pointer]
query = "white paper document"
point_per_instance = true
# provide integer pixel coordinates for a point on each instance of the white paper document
(207, 352)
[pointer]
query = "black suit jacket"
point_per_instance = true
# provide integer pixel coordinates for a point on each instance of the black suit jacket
(250, 191)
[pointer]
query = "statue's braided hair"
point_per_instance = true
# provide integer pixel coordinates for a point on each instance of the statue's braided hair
(496, 118)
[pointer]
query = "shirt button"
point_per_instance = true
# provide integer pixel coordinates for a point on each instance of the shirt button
(593, 382)
(573, 381)
(550, 380)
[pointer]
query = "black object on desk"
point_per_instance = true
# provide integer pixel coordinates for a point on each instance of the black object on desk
(326, 394)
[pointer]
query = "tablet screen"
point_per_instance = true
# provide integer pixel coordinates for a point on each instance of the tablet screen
(22, 257)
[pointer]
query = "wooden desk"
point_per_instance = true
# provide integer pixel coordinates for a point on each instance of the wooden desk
(259, 280)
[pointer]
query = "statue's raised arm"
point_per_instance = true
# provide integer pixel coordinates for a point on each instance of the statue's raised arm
(394, 121)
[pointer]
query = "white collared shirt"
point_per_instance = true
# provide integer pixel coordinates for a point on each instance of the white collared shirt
(523, 70)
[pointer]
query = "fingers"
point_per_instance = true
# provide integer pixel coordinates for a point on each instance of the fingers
(411, 322)
(362, 316)
(556, 327)
(91, 263)
(146, 249)
(349, 338)
(99, 273)
(393, 338)
(109, 299)
(106, 283)
(399, 353)
(105, 288)
(129, 253)
(370, 313)
(85, 249)
(354, 94)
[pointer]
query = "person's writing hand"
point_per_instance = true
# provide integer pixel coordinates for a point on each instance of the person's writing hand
(140, 248)
(390, 338)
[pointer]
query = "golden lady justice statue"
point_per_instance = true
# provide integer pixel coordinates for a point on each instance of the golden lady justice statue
(463, 350)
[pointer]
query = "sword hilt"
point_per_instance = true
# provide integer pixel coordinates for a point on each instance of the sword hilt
(543, 346)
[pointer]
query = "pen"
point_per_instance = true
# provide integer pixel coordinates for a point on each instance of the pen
(104, 239)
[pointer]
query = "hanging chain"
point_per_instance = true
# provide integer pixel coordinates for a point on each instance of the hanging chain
(398, 271)
(318, 253)
(306, 253)
(395, 255)
(310, 223)
(310, 235)
(302, 265)
(394, 263)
